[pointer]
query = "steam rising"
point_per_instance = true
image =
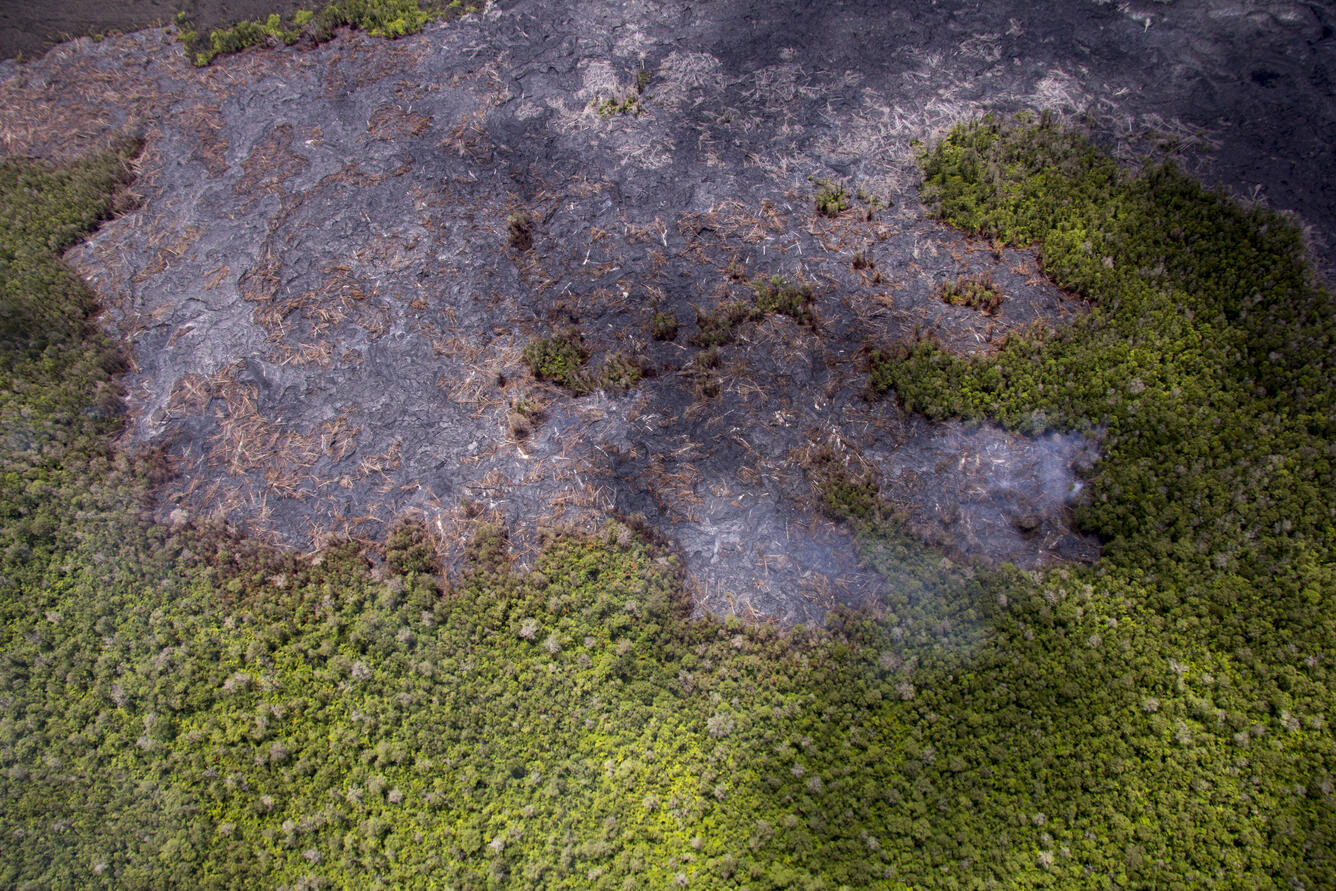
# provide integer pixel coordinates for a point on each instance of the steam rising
(989, 494)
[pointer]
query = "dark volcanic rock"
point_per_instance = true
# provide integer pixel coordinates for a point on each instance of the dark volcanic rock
(327, 307)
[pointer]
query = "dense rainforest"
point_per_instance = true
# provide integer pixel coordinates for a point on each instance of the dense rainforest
(186, 708)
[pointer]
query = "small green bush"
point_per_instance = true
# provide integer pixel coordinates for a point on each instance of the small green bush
(719, 328)
(975, 291)
(619, 373)
(560, 358)
(769, 294)
(845, 494)
(778, 294)
(615, 105)
(831, 199)
(703, 371)
(663, 325)
(563, 359)
(628, 102)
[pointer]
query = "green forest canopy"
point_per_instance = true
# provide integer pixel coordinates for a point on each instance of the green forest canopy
(182, 707)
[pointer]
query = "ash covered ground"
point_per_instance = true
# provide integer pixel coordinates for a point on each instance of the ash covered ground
(326, 303)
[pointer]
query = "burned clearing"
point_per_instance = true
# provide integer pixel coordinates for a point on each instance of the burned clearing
(340, 256)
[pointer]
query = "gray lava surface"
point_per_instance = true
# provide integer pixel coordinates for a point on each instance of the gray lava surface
(326, 307)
